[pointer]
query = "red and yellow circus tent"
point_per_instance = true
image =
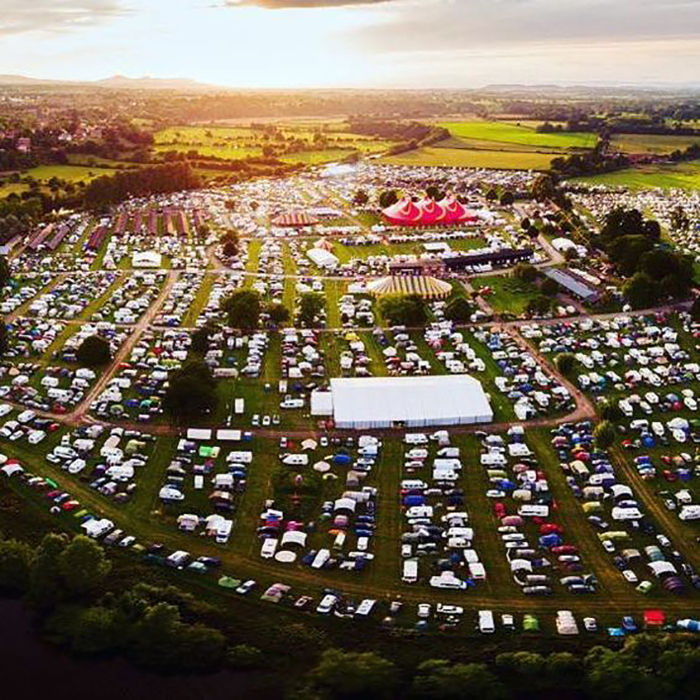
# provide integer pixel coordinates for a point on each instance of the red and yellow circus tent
(428, 212)
(294, 219)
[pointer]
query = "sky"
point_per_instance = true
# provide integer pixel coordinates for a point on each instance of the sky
(355, 43)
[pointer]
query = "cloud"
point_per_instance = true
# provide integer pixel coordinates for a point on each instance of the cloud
(21, 16)
(300, 4)
(459, 25)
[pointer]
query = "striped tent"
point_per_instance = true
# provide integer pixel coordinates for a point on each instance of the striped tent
(422, 285)
(294, 218)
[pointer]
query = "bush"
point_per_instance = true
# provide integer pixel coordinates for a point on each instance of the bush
(94, 351)
(458, 310)
(404, 310)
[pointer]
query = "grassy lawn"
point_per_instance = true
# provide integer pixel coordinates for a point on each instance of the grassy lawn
(651, 143)
(72, 173)
(466, 158)
(345, 253)
(509, 294)
(681, 176)
(505, 132)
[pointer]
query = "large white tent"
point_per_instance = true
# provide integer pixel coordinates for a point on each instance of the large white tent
(386, 402)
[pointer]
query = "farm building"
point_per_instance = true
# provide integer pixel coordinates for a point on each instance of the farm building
(393, 402)
(571, 284)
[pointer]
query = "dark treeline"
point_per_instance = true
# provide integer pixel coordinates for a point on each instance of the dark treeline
(159, 179)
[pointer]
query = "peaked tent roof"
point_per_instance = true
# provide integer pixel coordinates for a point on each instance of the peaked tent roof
(427, 212)
(295, 218)
(423, 286)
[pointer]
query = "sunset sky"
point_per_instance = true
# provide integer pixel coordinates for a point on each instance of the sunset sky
(355, 43)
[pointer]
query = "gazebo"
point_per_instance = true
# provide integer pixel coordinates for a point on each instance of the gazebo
(422, 285)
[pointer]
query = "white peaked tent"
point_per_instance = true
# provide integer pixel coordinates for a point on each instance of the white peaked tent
(385, 402)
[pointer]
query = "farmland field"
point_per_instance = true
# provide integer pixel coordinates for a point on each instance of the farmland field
(681, 176)
(651, 143)
(513, 134)
(468, 158)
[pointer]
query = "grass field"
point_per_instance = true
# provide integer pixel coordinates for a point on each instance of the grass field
(509, 133)
(681, 176)
(467, 158)
(238, 142)
(509, 294)
(650, 143)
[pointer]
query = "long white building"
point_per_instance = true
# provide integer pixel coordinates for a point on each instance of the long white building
(394, 402)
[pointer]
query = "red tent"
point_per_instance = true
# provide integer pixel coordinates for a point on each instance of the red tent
(654, 618)
(403, 213)
(427, 212)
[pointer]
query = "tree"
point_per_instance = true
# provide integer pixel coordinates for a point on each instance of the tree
(15, 563)
(507, 198)
(610, 411)
(566, 363)
(695, 309)
(571, 254)
(45, 581)
(95, 631)
(627, 251)
(4, 338)
(492, 194)
(5, 274)
(544, 188)
(242, 309)
(311, 305)
(387, 198)
(458, 310)
(641, 291)
(191, 392)
(361, 198)
(549, 287)
(434, 192)
(200, 339)
(525, 272)
(94, 351)
(404, 310)
(230, 243)
(679, 219)
(278, 313)
(604, 434)
(539, 305)
(155, 635)
(83, 565)
(200, 648)
(437, 679)
(343, 674)
(244, 656)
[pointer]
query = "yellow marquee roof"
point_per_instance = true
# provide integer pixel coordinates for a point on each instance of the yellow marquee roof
(424, 286)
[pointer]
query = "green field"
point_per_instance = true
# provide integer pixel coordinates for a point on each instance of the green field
(508, 133)
(508, 294)
(72, 173)
(681, 176)
(467, 158)
(238, 142)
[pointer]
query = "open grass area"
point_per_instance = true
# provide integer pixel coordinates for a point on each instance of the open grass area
(313, 157)
(524, 134)
(345, 253)
(681, 176)
(509, 294)
(651, 143)
(468, 158)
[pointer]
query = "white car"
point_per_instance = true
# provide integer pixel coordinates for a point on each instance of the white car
(630, 576)
(508, 621)
(495, 493)
(608, 546)
(424, 610)
(449, 609)
(590, 624)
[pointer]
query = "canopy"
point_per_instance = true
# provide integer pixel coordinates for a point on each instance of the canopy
(294, 218)
(427, 212)
(423, 286)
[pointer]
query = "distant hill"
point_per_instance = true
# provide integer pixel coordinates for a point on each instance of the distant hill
(121, 82)
(116, 82)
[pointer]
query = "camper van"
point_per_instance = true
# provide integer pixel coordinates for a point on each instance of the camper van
(269, 547)
(410, 571)
(415, 439)
(486, 622)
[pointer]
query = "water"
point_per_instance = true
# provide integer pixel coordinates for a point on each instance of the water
(34, 668)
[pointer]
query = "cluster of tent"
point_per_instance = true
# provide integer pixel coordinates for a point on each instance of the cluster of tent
(428, 212)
